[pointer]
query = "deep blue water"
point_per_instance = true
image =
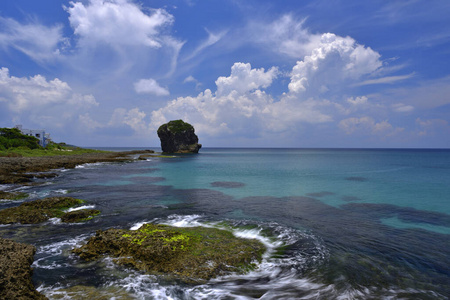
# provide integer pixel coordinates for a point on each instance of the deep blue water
(353, 224)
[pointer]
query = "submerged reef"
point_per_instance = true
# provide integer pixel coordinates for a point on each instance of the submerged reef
(178, 137)
(41, 210)
(192, 254)
(15, 271)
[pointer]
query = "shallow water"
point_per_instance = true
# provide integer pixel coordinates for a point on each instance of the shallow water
(351, 224)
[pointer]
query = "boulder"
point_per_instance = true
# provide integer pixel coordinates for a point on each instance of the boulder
(178, 137)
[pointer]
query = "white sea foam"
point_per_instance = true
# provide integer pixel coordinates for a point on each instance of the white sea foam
(46, 256)
(89, 165)
(81, 207)
(4, 186)
(61, 191)
(185, 221)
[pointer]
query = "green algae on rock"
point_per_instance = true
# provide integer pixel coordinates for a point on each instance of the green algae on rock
(191, 253)
(12, 195)
(79, 215)
(38, 211)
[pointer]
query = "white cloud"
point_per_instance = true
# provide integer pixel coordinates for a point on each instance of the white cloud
(358, 100)
(240, 107)
(190, 78)
(24, 94)
(45, 102)
(150, 86)
(212, 39)
(133, 118)
(284, 35)
(334, 61)
(385, 80)
(244, 79)
(403, 108)
(367, 125)
(431, 126)
(117, 22)
(35, 40)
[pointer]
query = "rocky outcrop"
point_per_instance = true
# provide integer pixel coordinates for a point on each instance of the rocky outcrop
(15, 271)
(178, 137)
(41, 210)
(189, 254)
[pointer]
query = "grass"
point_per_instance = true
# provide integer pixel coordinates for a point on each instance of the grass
(24, 152)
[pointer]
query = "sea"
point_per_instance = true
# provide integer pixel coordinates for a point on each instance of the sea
(337, 223)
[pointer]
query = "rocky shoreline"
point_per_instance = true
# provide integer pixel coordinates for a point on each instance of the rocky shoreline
(192, 255)
(16, 258)
(22, 170)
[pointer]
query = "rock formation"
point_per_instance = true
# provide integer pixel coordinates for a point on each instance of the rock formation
(15, 271)
(186, 253)
(178, 137)
(38, 211)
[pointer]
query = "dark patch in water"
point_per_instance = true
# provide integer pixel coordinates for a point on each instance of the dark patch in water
(320, 194)
(350, 198)
(227, 184)
(363, 251)
(406, 214)
(356, 178)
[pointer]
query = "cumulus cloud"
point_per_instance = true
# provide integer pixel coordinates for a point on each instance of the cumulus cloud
(40, 99)
(37, 41)
(240, 105)
(133, 118)
(357, 100)
(117, 22)
(244, 79)
(150, 86)
(334, 61)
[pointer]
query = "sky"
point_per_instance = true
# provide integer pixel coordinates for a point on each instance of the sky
(287, 73)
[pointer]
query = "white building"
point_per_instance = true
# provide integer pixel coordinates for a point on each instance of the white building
(40, 134)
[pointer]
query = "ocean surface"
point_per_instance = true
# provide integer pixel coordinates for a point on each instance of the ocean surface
(337, 223)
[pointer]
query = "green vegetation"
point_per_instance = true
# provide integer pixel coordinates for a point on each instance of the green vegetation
(15, 144)
(12, 195)
(81, 215)
(39, 211)
(190, 254)
(13, 138)
(177, 126)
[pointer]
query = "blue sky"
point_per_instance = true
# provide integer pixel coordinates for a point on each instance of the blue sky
(244, 73)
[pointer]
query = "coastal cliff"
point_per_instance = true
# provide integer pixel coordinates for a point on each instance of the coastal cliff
(178, 137)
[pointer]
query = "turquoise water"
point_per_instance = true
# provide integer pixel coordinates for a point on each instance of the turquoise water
(345, 223)
(418, 179)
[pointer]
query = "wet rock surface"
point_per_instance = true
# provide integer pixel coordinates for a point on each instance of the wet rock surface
(39, 211)
(22, 170)
(79, 215)
(191, 254)
(15, 271)
(178, 137)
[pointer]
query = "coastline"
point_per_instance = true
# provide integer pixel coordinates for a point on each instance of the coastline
(22, 170)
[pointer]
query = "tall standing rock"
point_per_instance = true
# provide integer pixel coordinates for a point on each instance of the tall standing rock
(178, 137)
